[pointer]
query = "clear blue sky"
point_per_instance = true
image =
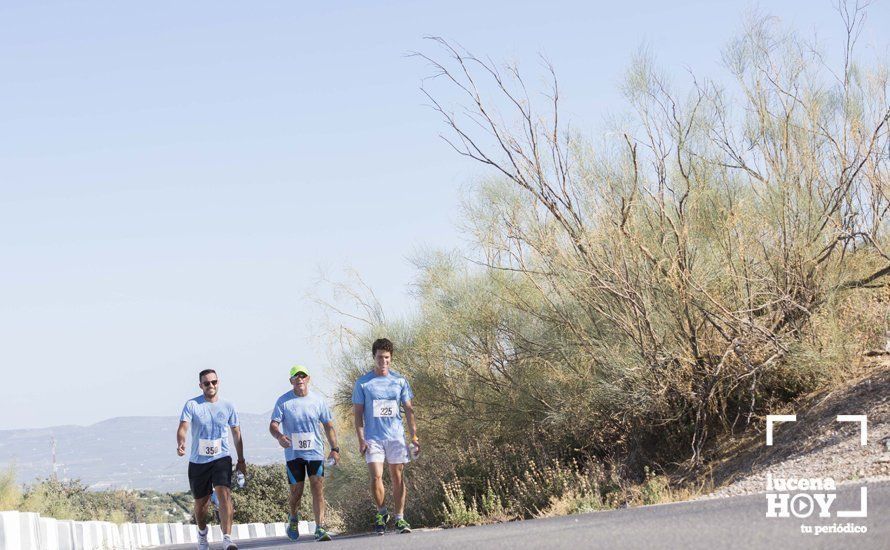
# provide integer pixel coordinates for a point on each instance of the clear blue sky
(173, 175)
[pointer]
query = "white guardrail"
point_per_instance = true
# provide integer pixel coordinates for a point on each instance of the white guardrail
(30, 531)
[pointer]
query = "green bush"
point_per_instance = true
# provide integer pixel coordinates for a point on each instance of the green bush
(71, 499)
(264, 498)
(10, 493)
(456, 511)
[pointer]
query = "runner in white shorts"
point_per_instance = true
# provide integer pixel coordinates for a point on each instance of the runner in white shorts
(378, 399)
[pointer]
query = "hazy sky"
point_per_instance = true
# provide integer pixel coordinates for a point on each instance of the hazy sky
(175, 175)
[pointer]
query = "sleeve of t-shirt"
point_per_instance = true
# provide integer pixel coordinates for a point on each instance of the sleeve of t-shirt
(324, 413)
(233, 418)
(186, 415)
(358, 396)
(407, 394)
(277, 412)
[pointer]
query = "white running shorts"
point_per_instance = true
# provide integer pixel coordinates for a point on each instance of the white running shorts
(393, 451)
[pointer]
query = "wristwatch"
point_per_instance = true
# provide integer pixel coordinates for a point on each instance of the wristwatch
(335, 450)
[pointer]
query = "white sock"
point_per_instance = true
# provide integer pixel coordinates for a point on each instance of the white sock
(204, 532)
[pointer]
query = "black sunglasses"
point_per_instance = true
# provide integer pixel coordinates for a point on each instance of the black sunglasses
(208, 383)
(300, 375)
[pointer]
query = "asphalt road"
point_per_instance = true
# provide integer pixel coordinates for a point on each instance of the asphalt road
(738, 522)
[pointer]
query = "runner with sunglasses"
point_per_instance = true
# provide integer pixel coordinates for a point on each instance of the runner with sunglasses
(210, 459)
(295, 425)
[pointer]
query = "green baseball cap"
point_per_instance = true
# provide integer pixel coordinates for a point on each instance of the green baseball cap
(297, 370)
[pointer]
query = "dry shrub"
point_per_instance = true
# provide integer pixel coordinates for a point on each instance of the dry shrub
(721, 253)
(671, 271)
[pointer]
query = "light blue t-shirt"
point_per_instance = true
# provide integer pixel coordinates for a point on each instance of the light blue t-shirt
(210, 423)
(382, 397)
(299, 418)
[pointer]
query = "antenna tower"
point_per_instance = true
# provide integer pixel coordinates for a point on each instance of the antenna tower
(54, 456)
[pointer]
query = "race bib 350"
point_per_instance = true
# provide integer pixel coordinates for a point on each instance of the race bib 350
(209, 447)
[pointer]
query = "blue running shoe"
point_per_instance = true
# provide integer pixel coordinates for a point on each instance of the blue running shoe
(293, 527)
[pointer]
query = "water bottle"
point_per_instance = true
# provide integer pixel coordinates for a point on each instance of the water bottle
(330, 462)
(412, 448)
(239, 478)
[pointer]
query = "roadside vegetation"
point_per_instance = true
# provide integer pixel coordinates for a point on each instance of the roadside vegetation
(264, 498)
(71, 499)
(628, 301)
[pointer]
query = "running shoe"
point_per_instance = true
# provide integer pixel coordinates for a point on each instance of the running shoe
(202, 541)
(380, 523)
(293, 527)
(403, 526)
(229, 545)
(321, 534)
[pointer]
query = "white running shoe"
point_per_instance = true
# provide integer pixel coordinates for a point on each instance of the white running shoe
(228, 544)
(202, 541)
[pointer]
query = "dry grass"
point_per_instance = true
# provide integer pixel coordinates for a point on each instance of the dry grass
(737, 456)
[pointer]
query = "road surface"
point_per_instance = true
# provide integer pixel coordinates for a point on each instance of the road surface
(737, 522)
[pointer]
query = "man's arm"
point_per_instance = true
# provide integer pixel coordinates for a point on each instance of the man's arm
(412, 425)
(332, 440)
(358, 413)
(239, 447)
(275, 430)
(180, 437)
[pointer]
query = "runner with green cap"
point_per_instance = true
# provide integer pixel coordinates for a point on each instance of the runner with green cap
(295, 423)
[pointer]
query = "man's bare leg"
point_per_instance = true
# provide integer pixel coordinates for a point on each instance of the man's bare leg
(226, 511)
(201, 512)
(296, 495)
(375, 470)
(399, 491)
(316, 484)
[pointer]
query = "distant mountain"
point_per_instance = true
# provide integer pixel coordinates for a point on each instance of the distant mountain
(132, 452)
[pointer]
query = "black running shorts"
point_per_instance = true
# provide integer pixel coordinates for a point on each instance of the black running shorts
(298, 469)
(204, 477)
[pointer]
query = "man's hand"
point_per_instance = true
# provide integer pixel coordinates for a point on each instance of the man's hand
(416, 443)
(336, 456)
(180, 437)
(241, 466)
(284, 441)
(362, 446)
